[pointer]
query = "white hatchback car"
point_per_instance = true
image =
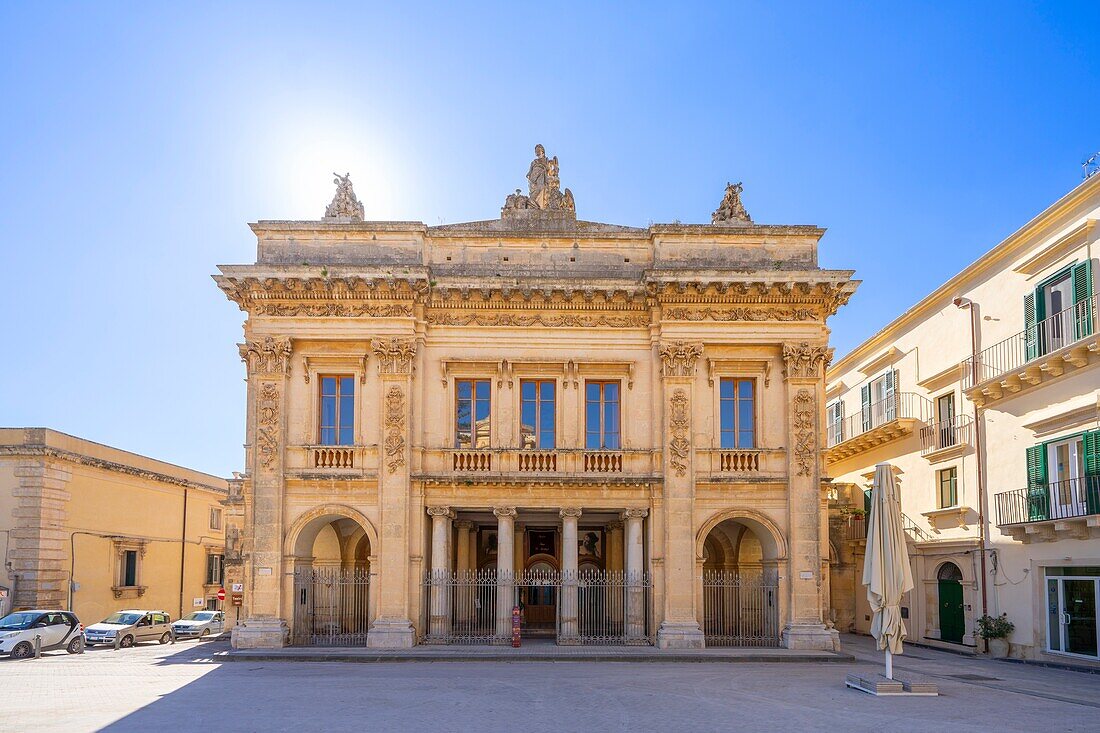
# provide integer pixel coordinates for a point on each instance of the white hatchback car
(130, 627)
(58, 629)
(199, 624)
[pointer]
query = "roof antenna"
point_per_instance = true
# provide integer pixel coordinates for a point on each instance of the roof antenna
(1091, 166)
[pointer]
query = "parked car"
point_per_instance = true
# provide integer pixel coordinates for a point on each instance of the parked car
(130, 627)
(199, 624)
(58, 629)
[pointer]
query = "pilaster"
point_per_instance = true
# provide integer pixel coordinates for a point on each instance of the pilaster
(39, 550)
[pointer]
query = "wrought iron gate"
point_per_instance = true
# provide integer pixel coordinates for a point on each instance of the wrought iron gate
(740, 610)
(331, 606)
(586, 607)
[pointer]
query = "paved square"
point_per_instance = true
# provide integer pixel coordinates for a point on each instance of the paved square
(183, 687)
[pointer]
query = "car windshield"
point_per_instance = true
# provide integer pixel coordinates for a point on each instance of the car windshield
(18, 620)
(199, 616)
(126, 619)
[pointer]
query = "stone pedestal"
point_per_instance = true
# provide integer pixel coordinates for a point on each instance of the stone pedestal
(391, 634)
(260, 633)
(680, 635)
(811, 636)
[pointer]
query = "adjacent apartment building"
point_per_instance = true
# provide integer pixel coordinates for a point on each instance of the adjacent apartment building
(985, 397)
(95, 529)
(613, 430)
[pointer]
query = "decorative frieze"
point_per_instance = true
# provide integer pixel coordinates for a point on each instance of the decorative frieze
(740, 314)
(395, 428)
(678, 358)
(267, 429)
(806, 360)
(805, 432)
(679, 422)
(335, 309)
(548, 320)
(395, 356)
(269, 355)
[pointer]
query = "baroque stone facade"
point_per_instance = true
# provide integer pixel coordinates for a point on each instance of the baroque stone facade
(534, 409)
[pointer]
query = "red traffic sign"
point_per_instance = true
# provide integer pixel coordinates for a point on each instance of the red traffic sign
(221, 594)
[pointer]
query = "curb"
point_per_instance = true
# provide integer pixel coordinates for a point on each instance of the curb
(367, 658)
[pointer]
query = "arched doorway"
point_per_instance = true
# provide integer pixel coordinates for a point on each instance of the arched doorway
(952, 614)
(331, 599)
(741, 583)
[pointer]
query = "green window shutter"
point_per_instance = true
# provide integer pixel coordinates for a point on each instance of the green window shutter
(1082, 298)
(891, 405)
(865, 401)
(1038, 494)
(1091, 444)
(867, 502)
(1031, 332)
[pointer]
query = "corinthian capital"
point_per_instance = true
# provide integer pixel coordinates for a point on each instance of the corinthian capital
(806, 360)
(269, 355)
(395, 356)
(678, 358)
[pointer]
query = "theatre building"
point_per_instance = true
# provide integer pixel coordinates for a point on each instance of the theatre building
(614, 430)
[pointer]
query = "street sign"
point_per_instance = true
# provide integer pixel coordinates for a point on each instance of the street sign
(221, 594)
(238, 599)
(238, 587)
(198, 602)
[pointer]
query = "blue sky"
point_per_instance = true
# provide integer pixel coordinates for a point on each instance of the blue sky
(137, 142)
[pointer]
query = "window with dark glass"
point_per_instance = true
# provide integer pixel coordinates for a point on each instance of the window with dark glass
(601, 415)
(337, 411)
(948, 479)
(737, 398)
(214, 569)
(129, 568)
(536, 429)
(471, 413)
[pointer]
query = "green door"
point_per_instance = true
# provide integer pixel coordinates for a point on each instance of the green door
(952, 619)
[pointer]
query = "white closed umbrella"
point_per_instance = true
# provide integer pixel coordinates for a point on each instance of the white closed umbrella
(886, 571)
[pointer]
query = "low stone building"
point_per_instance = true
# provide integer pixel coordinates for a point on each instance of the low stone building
(613, 430)
(95, 529)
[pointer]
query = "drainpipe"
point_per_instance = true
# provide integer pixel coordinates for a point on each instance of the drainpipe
(979, 453)
(183, 550)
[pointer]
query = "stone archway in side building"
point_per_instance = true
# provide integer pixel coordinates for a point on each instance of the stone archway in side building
(741, 552)
(330, 548)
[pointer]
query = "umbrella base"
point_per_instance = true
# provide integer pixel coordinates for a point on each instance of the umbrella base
(881, 686)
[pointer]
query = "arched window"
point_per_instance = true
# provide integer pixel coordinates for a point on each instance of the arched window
(949, 571)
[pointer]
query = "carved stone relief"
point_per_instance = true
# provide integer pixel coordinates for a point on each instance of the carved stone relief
(369, 310)
(269, 355)
(395, 428)
(740, 314)
(678, 358)
(550, 320)
(805, 434)
(731, 210)
(679, 423)
(543, 188)
(806, 360)
(395, 356)
(344, 204)
(267, 430)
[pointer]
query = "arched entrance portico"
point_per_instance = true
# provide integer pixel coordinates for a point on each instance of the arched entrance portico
(741, 553)
(330, 549)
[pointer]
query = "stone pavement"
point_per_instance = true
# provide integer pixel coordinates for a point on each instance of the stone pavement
(185, 687)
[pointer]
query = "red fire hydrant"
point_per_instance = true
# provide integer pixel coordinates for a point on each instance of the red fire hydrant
(515, 626)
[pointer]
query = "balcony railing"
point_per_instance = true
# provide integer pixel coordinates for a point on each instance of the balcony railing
(855, 528)
(901, 405)
(1075, 497)
(945, 434)
(559, 461)
(334, 456)
(1048, 335)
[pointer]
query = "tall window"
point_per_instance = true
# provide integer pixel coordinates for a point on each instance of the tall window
(337, 411)
(214, 569)
(471, 413)
(835, 412)
(536, 429)
(128, 576)
(948, 493)
(215, 518)
(945, 414)
(737, 400)
(601, 415)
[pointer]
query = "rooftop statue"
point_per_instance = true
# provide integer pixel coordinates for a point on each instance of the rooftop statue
(543, 188)
(731, 210)
(344, 204)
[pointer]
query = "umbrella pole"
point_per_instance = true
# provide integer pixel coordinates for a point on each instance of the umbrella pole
(889, 665)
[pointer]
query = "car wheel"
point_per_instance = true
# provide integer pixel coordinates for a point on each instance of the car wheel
(22, 650)
(75, 646)
(166, 637)
(127, 642)
(205, 633)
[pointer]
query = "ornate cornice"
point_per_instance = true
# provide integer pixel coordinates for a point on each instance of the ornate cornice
(395, 355)
(549, 320)
(678, 358)
(268, 356)
(335, 309)
(707, 313)
(805, 360)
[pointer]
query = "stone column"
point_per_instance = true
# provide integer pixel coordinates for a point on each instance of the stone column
(569, 549)
(268, 363)
(463, 572)
(804, 626)
(393, 629)
(680, 626)
(505, 570)
(634, 572)
(439, 607)
(517, 546)
(615, 559)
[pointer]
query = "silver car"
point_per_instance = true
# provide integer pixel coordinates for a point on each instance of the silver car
(130, 627)
(199, 625)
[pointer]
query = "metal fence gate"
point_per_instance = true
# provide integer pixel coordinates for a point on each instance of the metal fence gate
(586, 607)
(331, 606)
(740, 610)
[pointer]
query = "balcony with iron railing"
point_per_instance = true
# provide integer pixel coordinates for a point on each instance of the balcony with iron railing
(876, 423)
(1036, 354)
(1049, 511)
(946, 438)
(854, 528)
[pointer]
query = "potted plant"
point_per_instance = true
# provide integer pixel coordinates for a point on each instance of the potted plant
(995, 630)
